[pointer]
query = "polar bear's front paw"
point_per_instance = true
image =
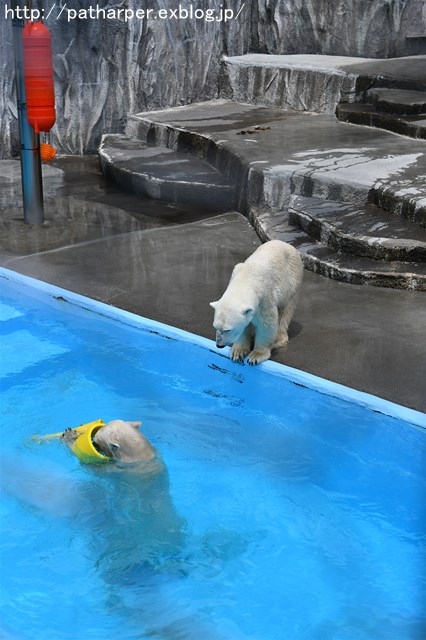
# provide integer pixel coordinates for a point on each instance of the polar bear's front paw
(69, 436)
(239, 352)
(258, 355)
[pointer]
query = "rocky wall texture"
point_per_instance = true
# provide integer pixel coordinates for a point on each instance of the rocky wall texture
(366, 28)
(106, 69)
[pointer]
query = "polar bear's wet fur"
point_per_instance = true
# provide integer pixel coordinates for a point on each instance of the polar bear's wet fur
(255, 311)
(124, 442)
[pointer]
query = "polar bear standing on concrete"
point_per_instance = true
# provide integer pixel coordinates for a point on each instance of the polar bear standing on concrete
(259, 302)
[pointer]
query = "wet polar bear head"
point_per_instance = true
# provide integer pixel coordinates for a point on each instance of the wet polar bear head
(230, 321)
(124, 442)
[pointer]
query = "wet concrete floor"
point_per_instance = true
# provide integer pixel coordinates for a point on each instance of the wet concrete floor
(167, 262)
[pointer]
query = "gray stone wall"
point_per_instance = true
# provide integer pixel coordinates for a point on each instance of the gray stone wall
(106, 69)
(365, 28)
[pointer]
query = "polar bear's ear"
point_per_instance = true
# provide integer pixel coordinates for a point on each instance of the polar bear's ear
(214, 304)
(135, 425)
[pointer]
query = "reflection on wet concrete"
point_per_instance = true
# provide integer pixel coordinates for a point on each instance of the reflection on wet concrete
(80, 206)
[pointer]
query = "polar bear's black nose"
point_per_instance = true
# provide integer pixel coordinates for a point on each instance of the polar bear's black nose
(220, 346)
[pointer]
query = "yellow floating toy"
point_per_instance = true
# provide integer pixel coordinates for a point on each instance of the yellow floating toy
(80, 441)
(83, 446)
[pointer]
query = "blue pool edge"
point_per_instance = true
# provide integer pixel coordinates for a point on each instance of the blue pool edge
(295, 376)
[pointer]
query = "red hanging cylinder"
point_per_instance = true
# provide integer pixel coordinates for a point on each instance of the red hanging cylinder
(38, 76)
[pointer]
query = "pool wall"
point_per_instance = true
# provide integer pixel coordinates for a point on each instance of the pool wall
(44, 291)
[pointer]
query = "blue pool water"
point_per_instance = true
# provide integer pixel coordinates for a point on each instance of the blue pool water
(290, 514)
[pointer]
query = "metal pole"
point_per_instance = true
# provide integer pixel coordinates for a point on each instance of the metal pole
(32, 186)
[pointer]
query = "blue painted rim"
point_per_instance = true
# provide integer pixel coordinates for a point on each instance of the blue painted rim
(296, 376)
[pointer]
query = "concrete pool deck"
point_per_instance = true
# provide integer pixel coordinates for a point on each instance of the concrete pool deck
(167, 262)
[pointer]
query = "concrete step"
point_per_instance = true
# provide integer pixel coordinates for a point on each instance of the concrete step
(300, 82)
(339, 266)
(315, 82)
(397, 101)
(359, 230)
(163, 174)
(369, 115)
(321, 259)
(271, 155)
